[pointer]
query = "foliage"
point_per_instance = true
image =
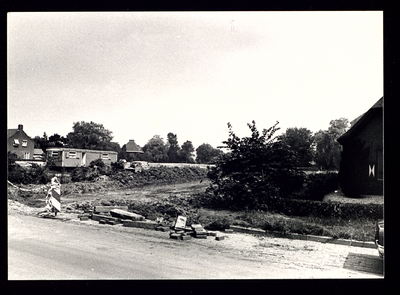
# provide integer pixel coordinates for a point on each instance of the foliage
(92, 172)
(206, 154)
(155, 150)
(327, 148)
(186, 152)
(349, 211)
(353, 166)
(90, 135)
(30, 175)
(45, 142)
(316, 186)
(174, 148)
(300, 140)
(256, 168)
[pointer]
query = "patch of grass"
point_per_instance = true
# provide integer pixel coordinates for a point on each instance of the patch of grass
(361, 230)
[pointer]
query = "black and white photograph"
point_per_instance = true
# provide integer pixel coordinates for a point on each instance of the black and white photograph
(186, 145)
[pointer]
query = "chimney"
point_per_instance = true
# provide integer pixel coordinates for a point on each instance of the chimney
(20, 127)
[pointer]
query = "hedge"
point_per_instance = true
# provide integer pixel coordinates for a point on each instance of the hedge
(295, 207)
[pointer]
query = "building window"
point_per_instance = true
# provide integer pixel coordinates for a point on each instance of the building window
(104, 156)
(26, 155)
(71, 154)
(380, 165)
(16, 142)
(54, 154)
(24, 143)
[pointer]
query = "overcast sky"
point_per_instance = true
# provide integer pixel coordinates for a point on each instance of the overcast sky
(190, 73)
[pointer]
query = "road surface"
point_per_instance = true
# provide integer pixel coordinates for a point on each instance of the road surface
(66, 248)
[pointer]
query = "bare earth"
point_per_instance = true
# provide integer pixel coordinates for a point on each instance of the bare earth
(66, 248)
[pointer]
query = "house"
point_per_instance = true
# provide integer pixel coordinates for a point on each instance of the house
(132, 147)
(20, 143)
(72, 157)
(38, 154)
(361, 165)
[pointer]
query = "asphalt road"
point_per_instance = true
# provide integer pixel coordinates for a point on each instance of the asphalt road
(66, 248)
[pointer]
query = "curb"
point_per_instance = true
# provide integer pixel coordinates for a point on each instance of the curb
(294, 236)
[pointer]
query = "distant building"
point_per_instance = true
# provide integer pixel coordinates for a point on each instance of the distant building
(38, 154)
(20, 143)
(366, 130)
(132, 147)
(72, 157)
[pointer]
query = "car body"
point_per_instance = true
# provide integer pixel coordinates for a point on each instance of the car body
(379, 235)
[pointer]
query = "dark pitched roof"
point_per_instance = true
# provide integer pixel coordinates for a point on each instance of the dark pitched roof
(132, 147)
(359, 121)
(11, 132)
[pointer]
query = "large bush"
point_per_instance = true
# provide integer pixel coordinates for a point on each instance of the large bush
(316, 186)
(29, 175)
(256, 168)
(95, 169)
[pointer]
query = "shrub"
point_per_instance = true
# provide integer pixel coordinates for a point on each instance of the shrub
(294, 207)
(29, 175)
(257, 167)
(316, 186)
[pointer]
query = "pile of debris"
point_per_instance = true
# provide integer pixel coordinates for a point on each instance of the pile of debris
(178, 229)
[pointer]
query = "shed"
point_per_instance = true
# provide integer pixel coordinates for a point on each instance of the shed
(361, 167)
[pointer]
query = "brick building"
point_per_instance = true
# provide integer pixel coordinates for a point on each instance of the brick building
(20, 143)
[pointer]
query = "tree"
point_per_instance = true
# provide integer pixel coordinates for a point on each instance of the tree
(186, 152)
(57, 140)
(328, 150)
(174, 149)
(90, 135)
(41, 142)
(300, 140)
(256, 167)
(155, 150)
(206, 154)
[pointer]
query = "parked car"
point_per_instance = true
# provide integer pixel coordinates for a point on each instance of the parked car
(379, 237)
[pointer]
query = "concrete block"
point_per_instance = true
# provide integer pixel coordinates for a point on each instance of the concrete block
(141, 224)
(102, 221)
(98, 217)
(98, 209)
(248, 230)
(201, 236)
(320, 239)
(83, 218)
(124, 214)
(175, 236)
(185, 237)
(220, 238)
(229, 230)
(212, 234)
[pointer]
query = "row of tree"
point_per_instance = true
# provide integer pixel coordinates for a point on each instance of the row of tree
(91, 135)
(320, 148)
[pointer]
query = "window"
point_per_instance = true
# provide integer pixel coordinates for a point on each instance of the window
(54, 153)
(71, 154)
(26, 155)
(104, 156)
(16, 142)
(24, 143)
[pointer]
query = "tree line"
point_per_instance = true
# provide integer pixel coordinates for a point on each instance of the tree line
(320, 148)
